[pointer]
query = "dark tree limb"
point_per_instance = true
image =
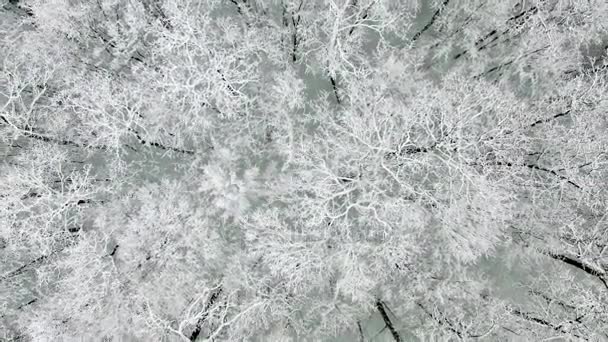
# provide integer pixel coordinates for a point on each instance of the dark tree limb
(362, 18)
(432, 21)
(556, 116)
(335, 88)
(466, 21)
(31, 133)
(564, 178)
(159, 14)
(580, 265)
(159, 145)
(16, 6)
(500, 66)
(65, 142)
(550, 300)
(332, 79)
(442, 321)
(32, 301)
(238, 6)
(531, 318)
(387, 321)
(228, 85)
(557, 327)
(361, 334)
(295, 22)
(199, 324)
(538, 168)
(24, 268)
(113, 251)
(515, 22)
(491, 70)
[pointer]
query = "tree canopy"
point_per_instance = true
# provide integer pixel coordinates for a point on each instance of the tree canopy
(303, 170)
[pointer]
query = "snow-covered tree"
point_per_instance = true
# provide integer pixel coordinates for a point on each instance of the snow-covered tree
(302, 170)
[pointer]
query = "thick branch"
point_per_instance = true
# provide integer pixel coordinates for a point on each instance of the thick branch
(199, 324)
(432, 21)
(581, 265)
(387, 321)
(238, 6)
(295, 22)
(335, 88)
(531, 318)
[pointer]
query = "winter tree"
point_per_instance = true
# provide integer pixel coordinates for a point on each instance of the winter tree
(303, 170)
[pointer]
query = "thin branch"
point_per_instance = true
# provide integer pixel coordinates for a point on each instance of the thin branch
(24, 268)
(550, 300)
(558, 115)
(465, 23)
(500, 66)
(538, 168)
(159, 145)
(362, 18)
(442, 321)
(517, 21)
(228, 85)
(29, 132)
(531, 318)
(361, 334)
(564, 178)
